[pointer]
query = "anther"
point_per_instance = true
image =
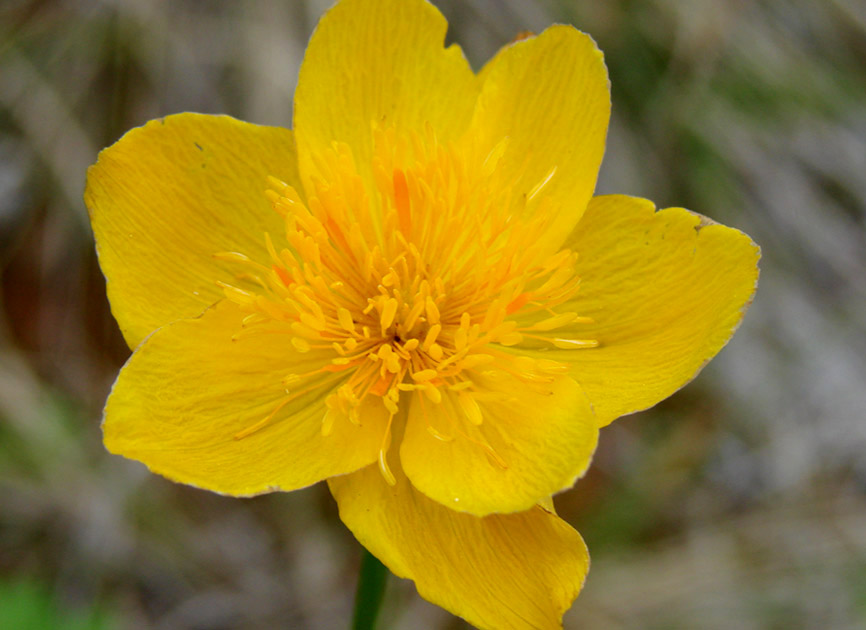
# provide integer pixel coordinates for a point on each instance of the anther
(433, 392)
(389, 310)
(432, 311)
(537, 188)
(401, 202)
(439, 436)
(510, 339)
(568, 344)
(345, 319)
(430, 339)
(301, 345)
(470, 408)
(424, 375)
(554, 322)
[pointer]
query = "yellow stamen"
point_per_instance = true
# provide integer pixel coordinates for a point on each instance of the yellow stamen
(401, 202)
(411, 285)
(388, 312)
(424, 375)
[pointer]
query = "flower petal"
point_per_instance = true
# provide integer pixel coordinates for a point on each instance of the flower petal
(549, 96)
(531, 443)
(502, 572)
(666, 290)
(166, 197)
(382, 62)
(190, 398)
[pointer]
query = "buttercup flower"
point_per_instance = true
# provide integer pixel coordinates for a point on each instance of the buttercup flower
(427, 307)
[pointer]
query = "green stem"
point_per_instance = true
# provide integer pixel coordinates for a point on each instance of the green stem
(371, 592)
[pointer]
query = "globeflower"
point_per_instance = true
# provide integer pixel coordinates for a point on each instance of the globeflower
(413, 295)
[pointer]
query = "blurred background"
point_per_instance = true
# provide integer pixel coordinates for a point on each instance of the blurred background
(738, 503)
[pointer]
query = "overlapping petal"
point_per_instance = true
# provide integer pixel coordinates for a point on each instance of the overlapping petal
(169, 195)
(500, 572)
(191, 396)
(220, 396)
(548, 99)
(379, 62)
(666, 289)
(532, 441)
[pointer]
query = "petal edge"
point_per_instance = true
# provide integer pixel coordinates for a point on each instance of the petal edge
(166, 197)
(500, 572)
(667, 289)
(189, 401)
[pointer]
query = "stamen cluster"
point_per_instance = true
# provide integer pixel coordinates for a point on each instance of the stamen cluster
(414, 279)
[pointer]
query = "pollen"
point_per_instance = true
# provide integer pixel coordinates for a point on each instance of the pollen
(380, 282)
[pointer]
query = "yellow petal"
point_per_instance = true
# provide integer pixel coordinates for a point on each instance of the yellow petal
(169, 195)
(194, 406)
(531, 443)
(549, 97)
(666, 290)
(500, 572)
(382, 62)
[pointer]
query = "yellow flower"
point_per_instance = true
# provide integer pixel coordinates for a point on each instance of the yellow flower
(428, 307)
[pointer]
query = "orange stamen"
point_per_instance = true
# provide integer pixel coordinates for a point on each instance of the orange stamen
(411, 285)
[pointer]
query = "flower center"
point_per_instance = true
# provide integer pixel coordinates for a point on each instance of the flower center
(409, 280)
